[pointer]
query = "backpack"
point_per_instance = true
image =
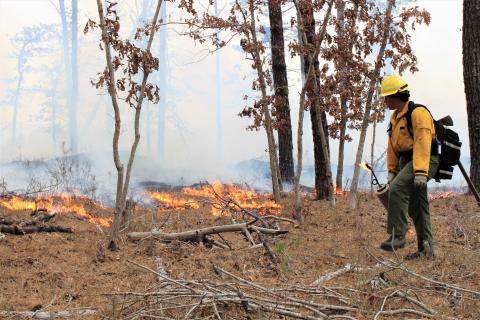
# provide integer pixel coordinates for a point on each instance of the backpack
(447, 141)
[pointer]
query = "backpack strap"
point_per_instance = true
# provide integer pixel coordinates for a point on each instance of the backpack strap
(408, 116)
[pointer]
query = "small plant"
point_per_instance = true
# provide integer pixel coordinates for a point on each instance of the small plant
(73, 175)
(283, 256)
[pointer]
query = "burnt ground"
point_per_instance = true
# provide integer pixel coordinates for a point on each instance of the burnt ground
(64, 271)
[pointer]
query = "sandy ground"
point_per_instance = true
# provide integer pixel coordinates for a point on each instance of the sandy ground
(62, 271)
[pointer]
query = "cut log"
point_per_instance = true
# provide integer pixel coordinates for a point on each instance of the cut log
(195, 235)
(45, 216)
(33, 229)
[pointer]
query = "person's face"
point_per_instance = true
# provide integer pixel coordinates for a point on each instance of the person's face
(389, 101)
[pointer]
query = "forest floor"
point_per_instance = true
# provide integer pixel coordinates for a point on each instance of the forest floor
(57, 271)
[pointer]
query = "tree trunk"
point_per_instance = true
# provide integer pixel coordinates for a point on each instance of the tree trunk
(267, 122)
(218, 100)
(471, 76)
(318, 117)
(163, 83)
(343, 103)
(341, 143)
(16, 103)
(368, 105)
(280, 83)
(309, 75)
(66, 55)
(343, 97)
(372, 154)
(72, 111)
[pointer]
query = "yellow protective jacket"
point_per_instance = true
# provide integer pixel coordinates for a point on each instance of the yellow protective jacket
(401, 140)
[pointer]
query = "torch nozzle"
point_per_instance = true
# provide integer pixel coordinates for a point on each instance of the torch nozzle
(374, 178)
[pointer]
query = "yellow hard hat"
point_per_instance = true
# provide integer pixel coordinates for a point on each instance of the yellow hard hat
(392, 84)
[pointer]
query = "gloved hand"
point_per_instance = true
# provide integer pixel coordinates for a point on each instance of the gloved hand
(391, 176)
(420, 181)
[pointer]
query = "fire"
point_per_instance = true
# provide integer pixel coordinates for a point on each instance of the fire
(17, 203)
(248, 199)
(363, 165)
(168, 201)
(59, 204)
(441, 195)
(411, 234)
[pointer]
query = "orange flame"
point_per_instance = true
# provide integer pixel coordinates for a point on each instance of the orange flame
(60, 204)
(339, 191)
(170, 202)
(248, 199)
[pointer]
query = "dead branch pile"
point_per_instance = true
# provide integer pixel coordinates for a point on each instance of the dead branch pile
(231, 296)
(177, 299)
(37, 224)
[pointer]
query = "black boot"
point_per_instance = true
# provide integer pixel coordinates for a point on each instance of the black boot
(393, 243)
(425, 250)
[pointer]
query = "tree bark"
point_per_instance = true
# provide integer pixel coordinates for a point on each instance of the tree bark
(368, 105)
(318, 117)
(280, 83)
(471, 76)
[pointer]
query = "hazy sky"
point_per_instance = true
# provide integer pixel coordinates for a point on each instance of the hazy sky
(191, 135)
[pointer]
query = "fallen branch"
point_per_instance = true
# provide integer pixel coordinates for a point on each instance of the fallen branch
(400, 266)
(195, 235)
(347, 268)
(402, 311)
(80, 312)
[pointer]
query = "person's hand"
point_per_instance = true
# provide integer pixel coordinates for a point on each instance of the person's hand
(391, 176)
(420, 181)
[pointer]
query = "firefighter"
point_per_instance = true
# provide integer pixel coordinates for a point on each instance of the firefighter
(411, 160)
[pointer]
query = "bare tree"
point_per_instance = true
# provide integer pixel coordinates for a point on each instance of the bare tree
(471, 76)
(130, 60)
(73, 105)
(29, 43)
(346, 41)
(323, 173)
(308, 78)
(371, 90)
(255, 48)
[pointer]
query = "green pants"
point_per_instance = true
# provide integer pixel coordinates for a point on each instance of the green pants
(404, 197)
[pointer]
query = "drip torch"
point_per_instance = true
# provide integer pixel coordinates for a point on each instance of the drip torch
(382, 191)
